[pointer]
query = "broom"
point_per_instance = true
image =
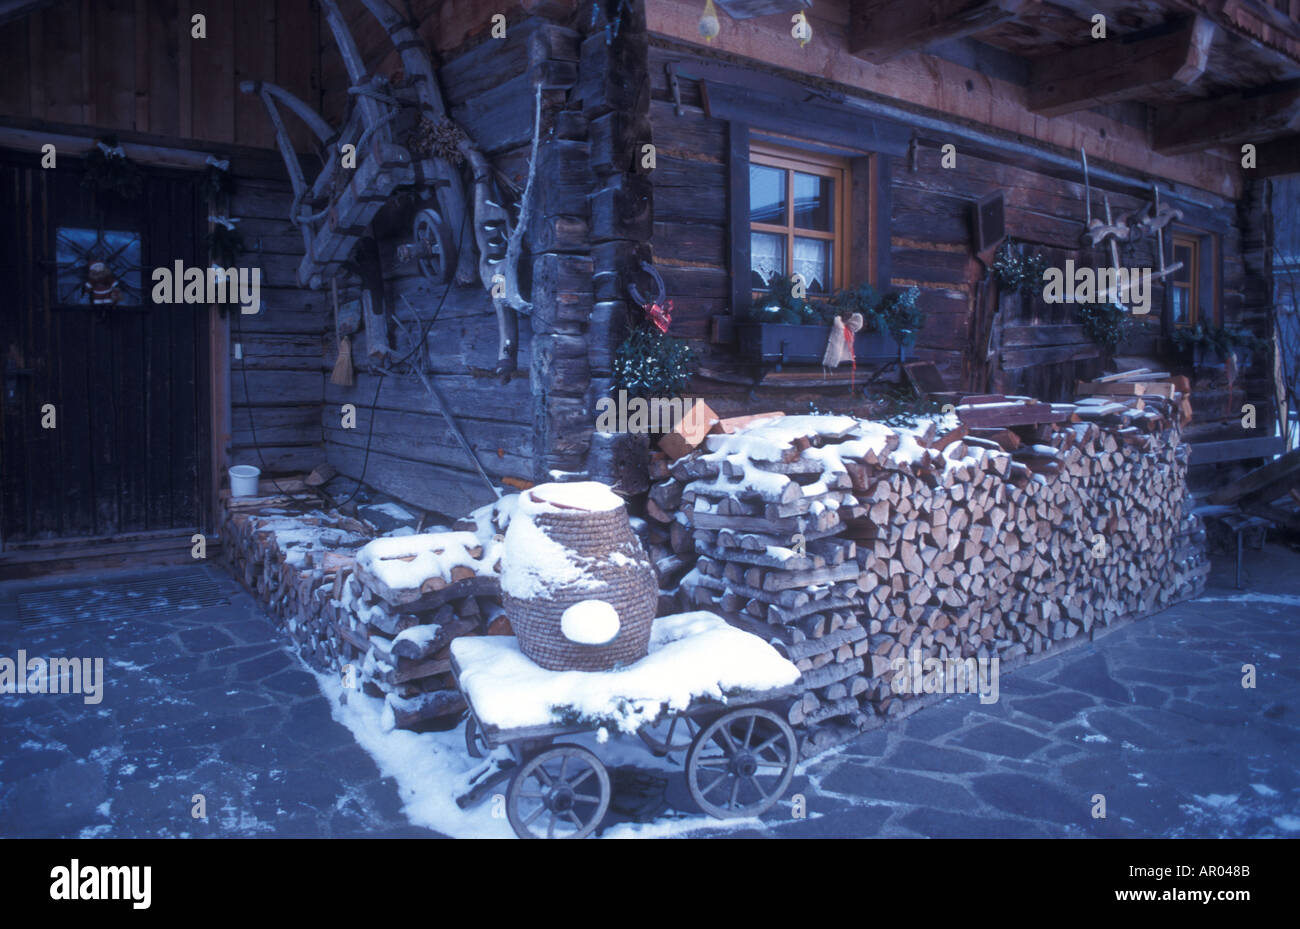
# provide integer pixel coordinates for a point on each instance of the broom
(342, 374)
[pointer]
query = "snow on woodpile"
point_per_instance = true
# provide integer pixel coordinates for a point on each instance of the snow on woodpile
(380, 613)
(970, 535)
(403, 568)
(692, 656)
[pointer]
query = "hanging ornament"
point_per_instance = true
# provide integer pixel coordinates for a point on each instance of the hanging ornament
(660, 314)
(709, 25)
(101, 285)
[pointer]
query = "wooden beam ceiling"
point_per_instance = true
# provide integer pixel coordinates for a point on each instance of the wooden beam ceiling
(1278, 156)
(881, 29)
(1110, 71)
(1251, 116)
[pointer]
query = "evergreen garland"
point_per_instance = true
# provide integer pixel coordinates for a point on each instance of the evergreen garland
(652, 364)
(1017, 272)
(225, 244)
(216, 183)
(1105, 323)
(1222, 340)
(109, 170)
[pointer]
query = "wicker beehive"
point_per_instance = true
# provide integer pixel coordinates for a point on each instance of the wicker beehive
(569, 543)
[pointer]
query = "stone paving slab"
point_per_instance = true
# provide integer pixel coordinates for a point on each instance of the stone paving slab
(202, 702)
(1152, 716)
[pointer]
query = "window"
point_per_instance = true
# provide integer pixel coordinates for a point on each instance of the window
(76, 249)
(1185, 282)
(798, 219)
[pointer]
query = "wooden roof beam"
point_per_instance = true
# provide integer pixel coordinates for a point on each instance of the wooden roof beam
(881, 29)
(1250, 116)
(1109, 71)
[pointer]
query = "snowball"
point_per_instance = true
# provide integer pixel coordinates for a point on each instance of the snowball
(590, 622)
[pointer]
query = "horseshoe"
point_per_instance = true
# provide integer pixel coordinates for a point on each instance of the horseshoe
(635, 293)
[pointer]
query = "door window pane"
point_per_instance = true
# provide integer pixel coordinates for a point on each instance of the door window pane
(812, 202)
(766, 195)
(76, 249)
(812, 259)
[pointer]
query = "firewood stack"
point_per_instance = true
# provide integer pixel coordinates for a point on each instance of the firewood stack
(851, 544)
(342, 598)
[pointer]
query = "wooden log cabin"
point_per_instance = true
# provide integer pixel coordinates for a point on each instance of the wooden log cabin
(881, 124)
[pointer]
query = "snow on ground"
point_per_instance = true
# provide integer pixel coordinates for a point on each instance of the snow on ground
(432, 768)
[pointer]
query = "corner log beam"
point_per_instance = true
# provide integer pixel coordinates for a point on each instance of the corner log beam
(881, 29)
(1252, 116)
(1096, 74)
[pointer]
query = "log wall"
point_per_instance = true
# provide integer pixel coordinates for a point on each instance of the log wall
(1039, 349)
(539, 419)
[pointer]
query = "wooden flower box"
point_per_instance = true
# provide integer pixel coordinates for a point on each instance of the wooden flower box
(781, 343)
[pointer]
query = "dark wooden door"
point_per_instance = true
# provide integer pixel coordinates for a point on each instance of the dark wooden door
(128, 382)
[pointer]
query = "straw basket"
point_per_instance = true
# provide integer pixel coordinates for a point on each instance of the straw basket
(627, 583)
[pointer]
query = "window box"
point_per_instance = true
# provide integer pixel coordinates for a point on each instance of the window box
(781, 343)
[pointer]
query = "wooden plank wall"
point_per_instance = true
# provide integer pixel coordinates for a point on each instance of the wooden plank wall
(276, 391)
(1043, 349)
(132, 65)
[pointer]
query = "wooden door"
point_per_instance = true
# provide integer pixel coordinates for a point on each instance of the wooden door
(126, 383)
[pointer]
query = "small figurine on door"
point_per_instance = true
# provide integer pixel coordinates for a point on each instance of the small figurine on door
(101, 285)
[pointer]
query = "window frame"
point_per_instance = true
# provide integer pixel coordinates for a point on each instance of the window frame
(1193, 284)
(836, 167)
(1205, 306)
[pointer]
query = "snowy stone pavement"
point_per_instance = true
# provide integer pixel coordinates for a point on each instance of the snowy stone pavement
(1153, 716)
(204, 702)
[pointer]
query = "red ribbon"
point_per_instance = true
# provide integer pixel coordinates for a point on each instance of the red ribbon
(853, 374)
(661, 316)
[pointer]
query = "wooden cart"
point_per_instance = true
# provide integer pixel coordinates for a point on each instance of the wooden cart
(740, 756)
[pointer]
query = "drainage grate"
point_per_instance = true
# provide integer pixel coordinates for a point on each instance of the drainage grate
(145, 596)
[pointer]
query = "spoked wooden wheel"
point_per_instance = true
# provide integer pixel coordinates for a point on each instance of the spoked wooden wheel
(474, 742)
(674, 734)
(559, 793)
(436, 252)
(741, 763)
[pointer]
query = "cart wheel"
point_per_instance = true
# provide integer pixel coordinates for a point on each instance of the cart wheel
(741, 763)
(474, 743)
(674, 734)
(560, 793)
(437, 252)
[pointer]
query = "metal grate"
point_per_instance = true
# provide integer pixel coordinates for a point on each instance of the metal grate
(152, 595)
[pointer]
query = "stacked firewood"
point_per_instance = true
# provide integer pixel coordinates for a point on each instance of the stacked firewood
(766, 518)
(331, 587)
(851, 544)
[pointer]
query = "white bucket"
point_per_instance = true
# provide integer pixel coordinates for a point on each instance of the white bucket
(243, 480)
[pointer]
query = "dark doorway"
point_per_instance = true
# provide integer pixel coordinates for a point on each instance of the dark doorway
(127, 380)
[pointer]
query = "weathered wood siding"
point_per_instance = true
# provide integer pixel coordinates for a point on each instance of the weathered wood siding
(277, 389)
(132, 65)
